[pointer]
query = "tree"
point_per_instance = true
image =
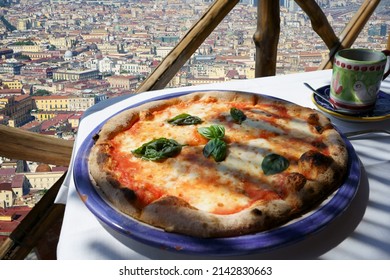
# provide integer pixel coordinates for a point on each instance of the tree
(24, 43)
(41, 92)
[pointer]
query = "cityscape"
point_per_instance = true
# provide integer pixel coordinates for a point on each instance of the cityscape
(60, 57)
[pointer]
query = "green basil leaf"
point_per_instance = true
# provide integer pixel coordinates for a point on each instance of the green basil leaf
(158, 149)
(237, 115)
(185, 119)
(216, 148)
(212, 132)
(274, 163)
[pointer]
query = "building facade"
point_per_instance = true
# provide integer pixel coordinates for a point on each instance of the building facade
(12, 68)
(124, 82)
(12, 84)
(17, 109)
(75, 75)
(7, 196)
(78, 103)
(51, 103)
(43, 180)
(38, 71)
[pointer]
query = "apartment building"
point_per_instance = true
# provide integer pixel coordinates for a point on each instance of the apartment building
(17, 108)
(60, 42)
(74, 75)
(80, 103)
(11, 68)
(51, 103)
(46, 107)
(123, 82)
(21, 112)
(25, 48)
(136, 67)
(42, 55)
(311, 57)
(43, 180)
(10, 218)
(6, 195)
(38, 71)
(12, 189)
(12, 84)
(75, 120)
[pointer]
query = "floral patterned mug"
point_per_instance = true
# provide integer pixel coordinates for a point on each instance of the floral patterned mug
(356, 79)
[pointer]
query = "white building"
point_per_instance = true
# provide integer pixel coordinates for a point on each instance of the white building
(106, 65)
(77, 103)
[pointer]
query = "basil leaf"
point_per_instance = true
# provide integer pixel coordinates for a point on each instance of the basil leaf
(237, 115)
(274, 163)
(216, 148)
(158, 149)
(212, 132)
(185, 119)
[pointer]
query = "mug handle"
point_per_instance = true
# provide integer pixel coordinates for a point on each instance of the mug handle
(386, 53)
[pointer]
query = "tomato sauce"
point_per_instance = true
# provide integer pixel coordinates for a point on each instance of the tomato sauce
(196, 139)
(125, 169)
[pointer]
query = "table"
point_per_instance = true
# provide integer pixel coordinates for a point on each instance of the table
(362, 231)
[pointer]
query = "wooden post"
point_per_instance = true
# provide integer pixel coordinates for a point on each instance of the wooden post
(172, 63)
(27, 234)
(266, 37)
(352, 30)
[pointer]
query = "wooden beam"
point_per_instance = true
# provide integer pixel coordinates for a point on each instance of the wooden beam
(20, 144)
(266, 37)
(27, 234)
(352, 30)
(172, 63)
(319, 22)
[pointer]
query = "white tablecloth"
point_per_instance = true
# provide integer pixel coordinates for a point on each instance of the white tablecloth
(361, 232)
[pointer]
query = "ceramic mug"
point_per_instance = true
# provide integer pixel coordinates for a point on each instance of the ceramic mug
(356, 78)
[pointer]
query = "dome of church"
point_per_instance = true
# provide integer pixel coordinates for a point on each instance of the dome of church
(93, 46)
(43, 167)
(68, 54)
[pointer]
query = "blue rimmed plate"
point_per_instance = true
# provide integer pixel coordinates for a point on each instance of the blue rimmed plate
(379, 113)
(128, 228)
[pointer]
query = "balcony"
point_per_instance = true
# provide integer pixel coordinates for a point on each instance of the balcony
(44, 220)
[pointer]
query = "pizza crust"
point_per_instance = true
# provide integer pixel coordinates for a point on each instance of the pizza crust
(316, 177)
(174, 215)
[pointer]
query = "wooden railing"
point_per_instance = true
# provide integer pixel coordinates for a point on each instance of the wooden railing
(172, 63)
(18, 144)
(352, 30)
(25, 145)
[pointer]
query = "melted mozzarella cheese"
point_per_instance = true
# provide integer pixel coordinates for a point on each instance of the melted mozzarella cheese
(224, 187)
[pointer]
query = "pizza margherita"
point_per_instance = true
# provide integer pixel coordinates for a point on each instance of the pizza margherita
(217, 163)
